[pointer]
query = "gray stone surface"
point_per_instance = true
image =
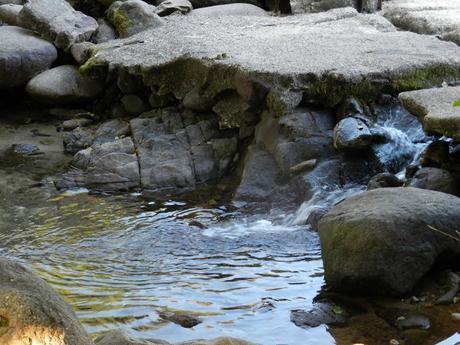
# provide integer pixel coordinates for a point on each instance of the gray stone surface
(311, 6)
(435, 179)
(380, 242)
(237, 9)
(440, 17)
(9, 14)
(57, 22)
(168, 7)
(434, 107)
(22, 56)
(33, 313)
(104, 33)
(287, 50)
(63, 84)
(133, 16)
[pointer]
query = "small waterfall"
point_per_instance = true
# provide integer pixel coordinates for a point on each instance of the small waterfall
(405, 142)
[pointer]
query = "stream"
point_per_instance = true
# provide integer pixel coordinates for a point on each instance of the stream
(121, 259)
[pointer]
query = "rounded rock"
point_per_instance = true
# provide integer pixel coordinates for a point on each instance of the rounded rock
(22, 56)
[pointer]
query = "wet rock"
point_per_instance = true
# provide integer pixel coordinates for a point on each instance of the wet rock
(63, 85)
(315, 216)
(25, 149)
(77, 140)
(204, 163)
(259, 176)
(435, 179)
(352, 134)
(22, 56)
(384, 180)
(436, 154)
(422, 17)
(13, 2)
(434, 107)
(33, 313)
(305, 165)
(133, 104)
(183, 320)
(412, 321)
(321, 314)
(237, 9)
(379, 242)
(9, 14)
(133, 16)
(168, 7)
(117, 337)
(57, 22)
(104, 33)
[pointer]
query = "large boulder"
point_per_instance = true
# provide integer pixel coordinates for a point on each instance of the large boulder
(63, 84)
(133, 16)
(22, 56)
(441, 17)
(435, 108)
(385, 240)
(58, 22)
(33, 313)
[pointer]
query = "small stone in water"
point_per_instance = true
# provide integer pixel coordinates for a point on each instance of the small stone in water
(394, 342)
(456, 316)
(25, 149)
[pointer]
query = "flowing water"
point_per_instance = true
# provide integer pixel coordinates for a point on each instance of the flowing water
(122, 259)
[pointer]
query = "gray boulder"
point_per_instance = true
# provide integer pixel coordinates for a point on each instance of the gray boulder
(9, 14)
(58, 22)
(168, 7)
(237, 9)
(385, 240)
(33, 313)
(312, 6)
(133, 16)
(117, 337)
(211, 3)
(13, 2)
(435, 179)
(22, 56)
(64, 84)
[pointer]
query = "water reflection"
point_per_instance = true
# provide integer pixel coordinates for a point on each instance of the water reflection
(121, 260)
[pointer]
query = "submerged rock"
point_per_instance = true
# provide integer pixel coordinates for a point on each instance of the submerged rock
(62, 85)
(33, 313)
(117, 337)
(186, 321)
(22, 56)
(133, 16)
(383, 242)
(435, 108)
(321, 314)
(57, 22)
